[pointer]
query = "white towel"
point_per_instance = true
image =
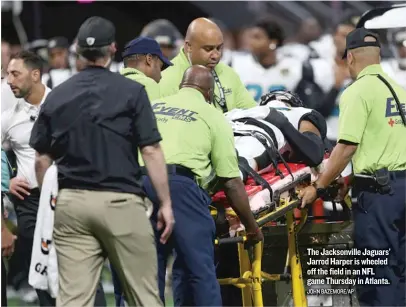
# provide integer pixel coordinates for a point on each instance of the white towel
(44, 268)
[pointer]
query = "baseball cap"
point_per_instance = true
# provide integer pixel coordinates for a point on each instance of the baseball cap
(58, 42)
(356, 39)
(145, 45)
(96, 32)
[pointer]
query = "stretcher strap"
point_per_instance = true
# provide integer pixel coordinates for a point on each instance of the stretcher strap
(271, 148)
(257, 123)
(243, 164)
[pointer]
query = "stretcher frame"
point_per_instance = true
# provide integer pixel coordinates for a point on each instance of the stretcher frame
(251, 274)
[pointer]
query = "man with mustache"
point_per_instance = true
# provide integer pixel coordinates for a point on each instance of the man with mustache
(204, 46)
(24, 73)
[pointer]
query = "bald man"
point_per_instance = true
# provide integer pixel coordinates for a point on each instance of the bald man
(372, 129)
(204, 46)
(198, 144)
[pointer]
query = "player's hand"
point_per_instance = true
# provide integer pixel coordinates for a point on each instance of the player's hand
(7, 242)
(165, 219)
(308, 195)
(255, 235)
(276, 118)
(19, 187)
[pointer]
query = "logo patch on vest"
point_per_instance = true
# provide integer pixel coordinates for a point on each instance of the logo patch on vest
(185, 115)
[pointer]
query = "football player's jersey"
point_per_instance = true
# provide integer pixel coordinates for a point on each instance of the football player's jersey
(248, 146)
(285, 75)
(298, 51)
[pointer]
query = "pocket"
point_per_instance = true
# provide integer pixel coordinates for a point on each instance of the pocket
(361, 204)
(125, 214)
(118, 216)
(205, 197)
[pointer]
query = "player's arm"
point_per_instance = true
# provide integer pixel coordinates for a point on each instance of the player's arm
(307, 143)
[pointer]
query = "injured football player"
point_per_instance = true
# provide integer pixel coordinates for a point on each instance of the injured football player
(280, 128)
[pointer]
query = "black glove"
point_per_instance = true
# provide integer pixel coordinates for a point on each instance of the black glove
(276, 118)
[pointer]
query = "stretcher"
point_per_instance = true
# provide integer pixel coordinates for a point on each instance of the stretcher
(275, 209)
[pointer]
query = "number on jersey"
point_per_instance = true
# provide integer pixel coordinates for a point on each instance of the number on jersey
(257, 90)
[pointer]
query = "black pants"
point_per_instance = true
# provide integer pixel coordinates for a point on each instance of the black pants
(26, 211)
(379, 224)
(3, 284)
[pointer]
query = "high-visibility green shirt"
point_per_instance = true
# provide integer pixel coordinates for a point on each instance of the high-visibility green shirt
(196, 136)
(235, 93)
(151, 87)
(369, 117)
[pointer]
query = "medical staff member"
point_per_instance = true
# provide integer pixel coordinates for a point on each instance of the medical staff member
(204, 46)
(143, 62)
(372, 133)
(198, 145)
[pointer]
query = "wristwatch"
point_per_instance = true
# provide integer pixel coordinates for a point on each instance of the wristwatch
(320, 192)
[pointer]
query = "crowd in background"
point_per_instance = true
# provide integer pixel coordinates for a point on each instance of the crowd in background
(309, 63)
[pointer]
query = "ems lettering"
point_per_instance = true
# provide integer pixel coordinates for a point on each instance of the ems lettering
(40, 269)
(392, 108)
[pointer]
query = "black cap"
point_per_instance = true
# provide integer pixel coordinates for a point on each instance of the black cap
(58, 42)
(96, 32)
(356, 39)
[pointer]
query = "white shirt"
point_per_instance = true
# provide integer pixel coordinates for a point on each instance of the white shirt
(16, 126)
(57, 76)
(7, 97)
(285, 75)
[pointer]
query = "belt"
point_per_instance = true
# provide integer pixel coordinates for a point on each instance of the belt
(397, 175)
(369, 183)
(175, 169)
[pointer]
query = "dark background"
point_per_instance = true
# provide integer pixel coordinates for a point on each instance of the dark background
(46, 19)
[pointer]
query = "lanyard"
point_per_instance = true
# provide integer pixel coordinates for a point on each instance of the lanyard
(222, 101)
